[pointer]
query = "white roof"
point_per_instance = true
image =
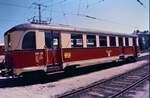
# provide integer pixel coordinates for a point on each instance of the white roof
(63, 28)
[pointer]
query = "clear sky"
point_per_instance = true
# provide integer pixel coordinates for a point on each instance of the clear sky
(111, 15)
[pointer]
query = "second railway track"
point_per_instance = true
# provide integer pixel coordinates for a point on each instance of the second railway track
(111, 88)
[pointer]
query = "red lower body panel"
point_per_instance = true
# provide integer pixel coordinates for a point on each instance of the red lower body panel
(90, 53)
(21, 59)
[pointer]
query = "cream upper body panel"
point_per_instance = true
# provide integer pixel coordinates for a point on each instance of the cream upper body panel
(15, 38)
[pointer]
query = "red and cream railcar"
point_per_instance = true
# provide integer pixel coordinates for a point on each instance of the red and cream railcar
(37, 47)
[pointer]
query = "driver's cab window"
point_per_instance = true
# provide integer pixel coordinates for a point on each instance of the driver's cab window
(29, 41)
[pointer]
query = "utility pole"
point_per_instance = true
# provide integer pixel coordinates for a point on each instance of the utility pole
(39, 11)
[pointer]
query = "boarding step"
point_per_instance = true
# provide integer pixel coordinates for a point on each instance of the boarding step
(53, 68)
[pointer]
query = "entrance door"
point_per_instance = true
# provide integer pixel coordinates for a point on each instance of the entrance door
(121, 44)
(56, 49)
(53, 48)
(135, 46)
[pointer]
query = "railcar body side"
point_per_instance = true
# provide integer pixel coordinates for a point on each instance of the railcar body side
(33, 47)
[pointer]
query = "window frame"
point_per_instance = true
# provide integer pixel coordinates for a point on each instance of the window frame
(76, 39)
(112, 44)
(93, 40)
(120, 43)
(126, 41)
(102, 39)
(23, 40)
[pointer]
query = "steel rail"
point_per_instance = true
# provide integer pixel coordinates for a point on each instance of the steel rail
(129, 87)
(98, 83)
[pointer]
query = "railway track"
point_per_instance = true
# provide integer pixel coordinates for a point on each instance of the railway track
(116, 87)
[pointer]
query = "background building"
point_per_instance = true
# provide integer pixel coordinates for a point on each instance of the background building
(144, 40)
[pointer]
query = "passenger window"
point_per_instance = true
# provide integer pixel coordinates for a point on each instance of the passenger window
(76, 40)
(103, 41)
(120, 41)
(91, 40)
(126, 41)
(112, 41)
(29, 41)
(52, 39)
